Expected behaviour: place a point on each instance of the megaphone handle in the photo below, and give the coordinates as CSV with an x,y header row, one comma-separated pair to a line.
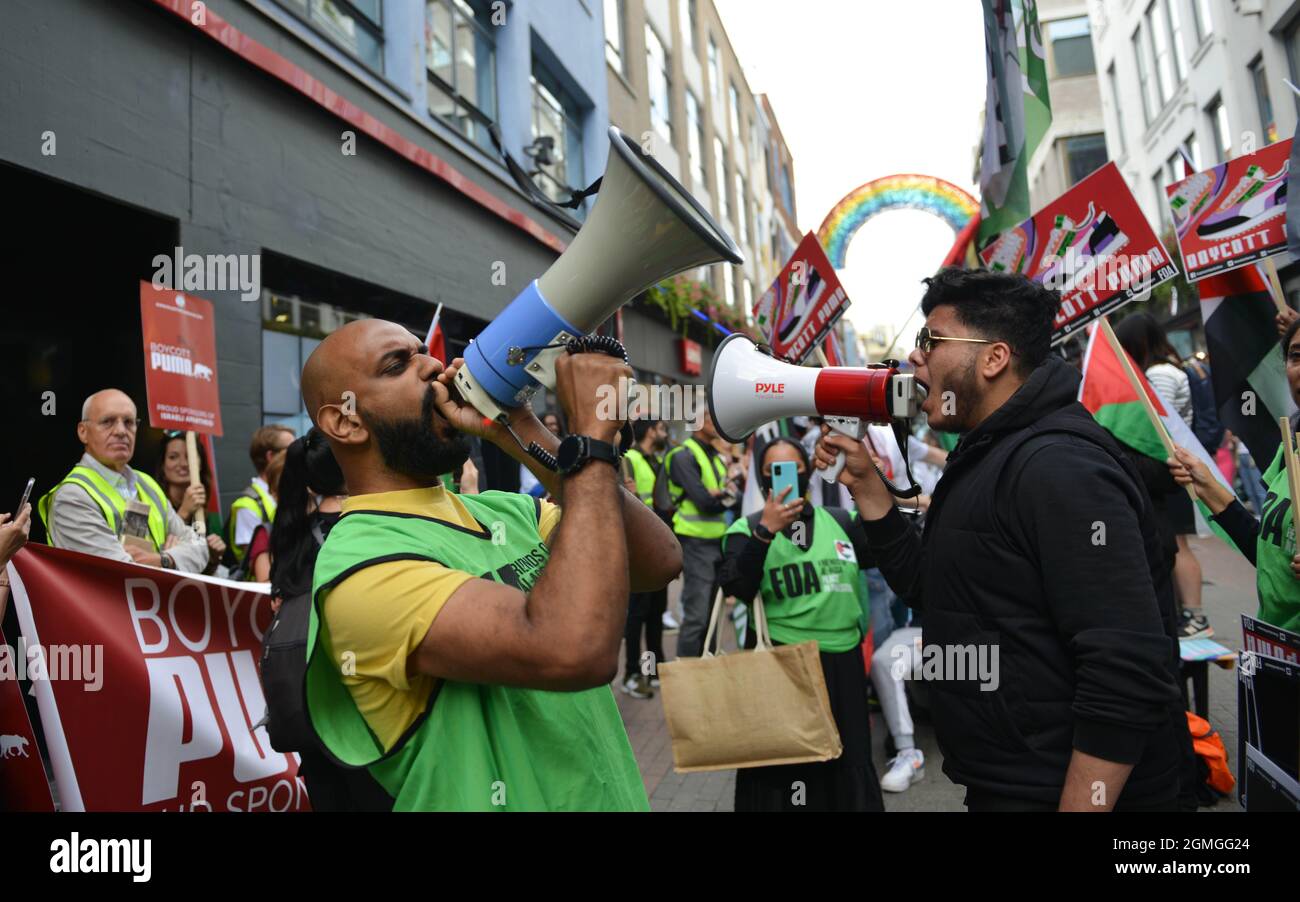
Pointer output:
x,y
855,429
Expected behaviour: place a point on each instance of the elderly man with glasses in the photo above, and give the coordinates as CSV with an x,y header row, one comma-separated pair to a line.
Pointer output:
x,y
106,508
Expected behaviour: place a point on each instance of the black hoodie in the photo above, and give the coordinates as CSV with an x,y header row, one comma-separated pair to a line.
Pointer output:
x,y
1040,542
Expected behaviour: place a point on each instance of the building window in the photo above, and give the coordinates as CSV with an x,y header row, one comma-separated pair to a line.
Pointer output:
x,y
686,21
695,139
1194,151
660,85
1161,54
733,107
1176,37
1293,55
715,70
1266,122
1112,84
1084,154
1161,179
720,177
614,34
461,66
1204,24
557,129
729,284
1071,42
355,25
749,302
1218,116
742,209
1150,103
787,188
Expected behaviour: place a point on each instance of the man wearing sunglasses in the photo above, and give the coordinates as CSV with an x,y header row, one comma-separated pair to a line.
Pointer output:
x,y
96,504
1040,557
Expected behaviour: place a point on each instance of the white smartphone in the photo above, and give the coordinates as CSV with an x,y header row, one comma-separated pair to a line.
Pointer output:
x,y
27,493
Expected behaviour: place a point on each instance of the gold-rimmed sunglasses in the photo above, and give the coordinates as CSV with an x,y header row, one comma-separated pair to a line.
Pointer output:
x,y
925,340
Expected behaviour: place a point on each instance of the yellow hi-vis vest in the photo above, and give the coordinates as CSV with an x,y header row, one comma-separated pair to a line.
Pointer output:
x,y
260,502
644,474
689,520
112,504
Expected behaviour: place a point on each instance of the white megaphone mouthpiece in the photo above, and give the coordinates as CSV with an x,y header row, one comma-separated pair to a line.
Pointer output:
x,y
748,387
644,228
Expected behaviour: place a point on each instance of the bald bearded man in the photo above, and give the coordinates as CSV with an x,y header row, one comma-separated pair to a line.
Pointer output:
x,y
461,647
87,511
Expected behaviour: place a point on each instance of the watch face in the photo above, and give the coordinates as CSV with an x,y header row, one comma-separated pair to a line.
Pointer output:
x,y
571,451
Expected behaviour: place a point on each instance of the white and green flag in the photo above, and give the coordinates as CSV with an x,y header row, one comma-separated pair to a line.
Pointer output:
x,y
1017,114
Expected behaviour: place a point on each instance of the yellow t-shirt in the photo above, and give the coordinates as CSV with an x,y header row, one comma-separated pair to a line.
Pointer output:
x,y
382,613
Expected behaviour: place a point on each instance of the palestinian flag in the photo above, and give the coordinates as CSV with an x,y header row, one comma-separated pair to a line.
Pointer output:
x,y
1107,390
1246,365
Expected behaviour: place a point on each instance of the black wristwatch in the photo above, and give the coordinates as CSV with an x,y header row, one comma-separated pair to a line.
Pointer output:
x,y
576,450
762,533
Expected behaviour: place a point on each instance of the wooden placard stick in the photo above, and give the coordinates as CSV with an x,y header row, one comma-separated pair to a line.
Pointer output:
x,y
1279,299
1292,465
192,453
1138,387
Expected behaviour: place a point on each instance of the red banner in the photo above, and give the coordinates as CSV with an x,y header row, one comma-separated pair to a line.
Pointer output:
x,y
803,304
180,360
23,786
148,689
1232,214
1092,244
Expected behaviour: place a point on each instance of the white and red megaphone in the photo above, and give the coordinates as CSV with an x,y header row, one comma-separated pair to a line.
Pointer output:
x,y
748,387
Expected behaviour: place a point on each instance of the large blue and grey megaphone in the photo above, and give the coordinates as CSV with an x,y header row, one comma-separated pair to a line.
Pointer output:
x,y
644,228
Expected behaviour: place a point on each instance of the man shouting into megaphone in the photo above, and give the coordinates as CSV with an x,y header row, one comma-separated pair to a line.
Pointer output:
x,y
461,647
1048,608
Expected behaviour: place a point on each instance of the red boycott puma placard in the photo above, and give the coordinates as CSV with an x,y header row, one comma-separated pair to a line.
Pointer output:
x,y
1092,244
804,303
180,360
1232,214
148,689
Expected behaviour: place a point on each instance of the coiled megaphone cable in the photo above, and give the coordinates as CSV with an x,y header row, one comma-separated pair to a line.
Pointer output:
x,y
582,344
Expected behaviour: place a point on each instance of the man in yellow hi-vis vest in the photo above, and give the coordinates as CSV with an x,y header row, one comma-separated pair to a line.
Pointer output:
x,y
256,505
91,508
698,483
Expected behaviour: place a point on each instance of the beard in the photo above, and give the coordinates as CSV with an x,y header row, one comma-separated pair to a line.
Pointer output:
x,y
413,448
963,383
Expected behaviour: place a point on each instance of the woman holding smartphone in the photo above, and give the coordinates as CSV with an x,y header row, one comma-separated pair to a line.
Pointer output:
x,y
804,561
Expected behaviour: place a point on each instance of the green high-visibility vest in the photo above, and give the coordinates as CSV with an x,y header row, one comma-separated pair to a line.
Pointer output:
x,y
644,473
813,593
689,520
260,502
476,747
111,502
1279,592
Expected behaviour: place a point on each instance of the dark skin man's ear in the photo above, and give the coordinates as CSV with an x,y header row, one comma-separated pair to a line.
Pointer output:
x,y
995,360
347,429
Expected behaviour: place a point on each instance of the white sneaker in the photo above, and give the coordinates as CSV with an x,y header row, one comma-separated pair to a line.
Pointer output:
x,y
670,622
906,768
637,687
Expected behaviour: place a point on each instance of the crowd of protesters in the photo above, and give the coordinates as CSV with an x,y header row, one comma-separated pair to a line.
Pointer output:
x,y
992,547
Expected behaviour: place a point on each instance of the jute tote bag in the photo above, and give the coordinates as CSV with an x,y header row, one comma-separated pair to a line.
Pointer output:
x,y
748,709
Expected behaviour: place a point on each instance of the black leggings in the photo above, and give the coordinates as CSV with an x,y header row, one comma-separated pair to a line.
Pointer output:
x,y
645,609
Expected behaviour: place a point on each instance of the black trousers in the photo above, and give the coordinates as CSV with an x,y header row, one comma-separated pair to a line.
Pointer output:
x,y
848,783
645,610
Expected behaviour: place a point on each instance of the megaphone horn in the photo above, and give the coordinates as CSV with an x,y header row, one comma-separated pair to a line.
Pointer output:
x,y
748,387
644,228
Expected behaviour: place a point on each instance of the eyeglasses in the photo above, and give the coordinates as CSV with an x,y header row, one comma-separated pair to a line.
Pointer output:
x,y
106,424
925,340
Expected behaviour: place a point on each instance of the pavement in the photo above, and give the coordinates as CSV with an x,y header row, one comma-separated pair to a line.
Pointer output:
x,y
1228,589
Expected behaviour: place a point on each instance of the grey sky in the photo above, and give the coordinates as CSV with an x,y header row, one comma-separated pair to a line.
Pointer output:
x,y
865,89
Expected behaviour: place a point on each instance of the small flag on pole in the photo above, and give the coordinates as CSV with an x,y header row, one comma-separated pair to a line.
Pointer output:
x,y
436,341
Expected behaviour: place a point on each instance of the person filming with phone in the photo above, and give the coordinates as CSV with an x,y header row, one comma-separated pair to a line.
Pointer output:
x,y
804,562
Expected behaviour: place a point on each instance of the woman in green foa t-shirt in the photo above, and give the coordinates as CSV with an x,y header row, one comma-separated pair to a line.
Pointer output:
x,y
805,562
1270,541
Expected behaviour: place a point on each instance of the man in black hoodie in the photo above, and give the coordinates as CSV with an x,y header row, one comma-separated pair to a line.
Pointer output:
x,y
1039,547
